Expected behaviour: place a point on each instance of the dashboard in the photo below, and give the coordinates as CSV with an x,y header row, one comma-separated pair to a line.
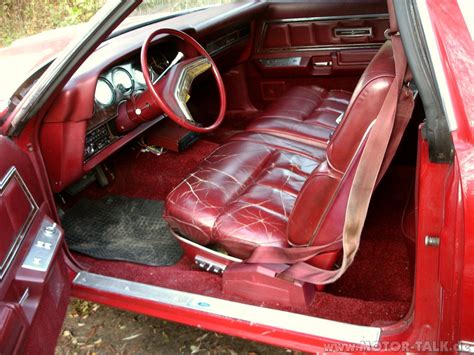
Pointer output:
x,y
79,130
117,85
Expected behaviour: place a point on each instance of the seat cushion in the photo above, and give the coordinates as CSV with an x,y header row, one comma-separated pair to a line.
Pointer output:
x,y
305,113
241,195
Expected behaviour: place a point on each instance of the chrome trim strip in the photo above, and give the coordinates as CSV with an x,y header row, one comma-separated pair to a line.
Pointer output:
x,y
438,70
382,16
24,297
14,248
313,326
207,250
185,80
203,248
323,48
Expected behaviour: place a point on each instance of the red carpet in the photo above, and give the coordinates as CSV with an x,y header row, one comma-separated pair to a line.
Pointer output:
x,y
376,290
383,267
145,175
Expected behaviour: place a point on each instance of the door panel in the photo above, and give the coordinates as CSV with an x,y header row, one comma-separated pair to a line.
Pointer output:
x,y
315,43
32,268
319,33
12,329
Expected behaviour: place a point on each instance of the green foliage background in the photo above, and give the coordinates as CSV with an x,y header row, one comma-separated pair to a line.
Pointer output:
x,y
21,18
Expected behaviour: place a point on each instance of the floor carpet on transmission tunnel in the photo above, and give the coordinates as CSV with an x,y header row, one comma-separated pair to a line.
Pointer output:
x,y
121,228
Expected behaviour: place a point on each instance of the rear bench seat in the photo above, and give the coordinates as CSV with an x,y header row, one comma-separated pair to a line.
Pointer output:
x,y
280,183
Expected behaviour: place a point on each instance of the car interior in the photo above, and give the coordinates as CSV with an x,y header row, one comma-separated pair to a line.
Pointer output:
x,y
263,153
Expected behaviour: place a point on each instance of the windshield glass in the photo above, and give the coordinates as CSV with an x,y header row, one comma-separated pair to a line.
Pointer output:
x,y
152,10
21,19
167,7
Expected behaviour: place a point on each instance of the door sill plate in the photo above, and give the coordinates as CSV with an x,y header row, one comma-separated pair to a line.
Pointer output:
x,y
313,326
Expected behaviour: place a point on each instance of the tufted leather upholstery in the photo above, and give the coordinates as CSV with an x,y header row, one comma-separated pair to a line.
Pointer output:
x,y
242,180
312,210
279,183
305,113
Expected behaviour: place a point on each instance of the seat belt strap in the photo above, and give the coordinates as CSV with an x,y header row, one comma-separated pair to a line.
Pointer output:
x,y
364,183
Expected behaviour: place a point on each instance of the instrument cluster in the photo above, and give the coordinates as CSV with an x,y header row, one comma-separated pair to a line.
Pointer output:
x,y
119,83
115,86
125,80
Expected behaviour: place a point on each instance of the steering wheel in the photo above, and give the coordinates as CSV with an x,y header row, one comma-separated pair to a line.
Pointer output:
x,y
172,91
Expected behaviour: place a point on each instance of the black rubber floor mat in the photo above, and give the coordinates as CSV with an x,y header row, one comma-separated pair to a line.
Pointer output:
x,y
121,228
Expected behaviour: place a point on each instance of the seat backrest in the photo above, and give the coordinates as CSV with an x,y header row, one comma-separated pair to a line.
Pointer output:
x,y
319,212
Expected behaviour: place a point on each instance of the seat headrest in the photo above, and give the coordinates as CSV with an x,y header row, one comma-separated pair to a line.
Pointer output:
x,y
392,17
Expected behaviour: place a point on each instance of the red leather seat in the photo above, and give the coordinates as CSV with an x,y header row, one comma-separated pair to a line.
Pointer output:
x,y
245,178
277,186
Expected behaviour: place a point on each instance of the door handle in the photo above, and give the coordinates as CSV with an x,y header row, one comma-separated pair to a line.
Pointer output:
x,y
322,64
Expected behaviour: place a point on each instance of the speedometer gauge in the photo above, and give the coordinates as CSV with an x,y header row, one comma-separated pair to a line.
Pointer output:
x,y
122,80
104,92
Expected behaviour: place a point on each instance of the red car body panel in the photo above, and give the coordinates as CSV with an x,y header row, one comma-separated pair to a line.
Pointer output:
x,y
456,48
